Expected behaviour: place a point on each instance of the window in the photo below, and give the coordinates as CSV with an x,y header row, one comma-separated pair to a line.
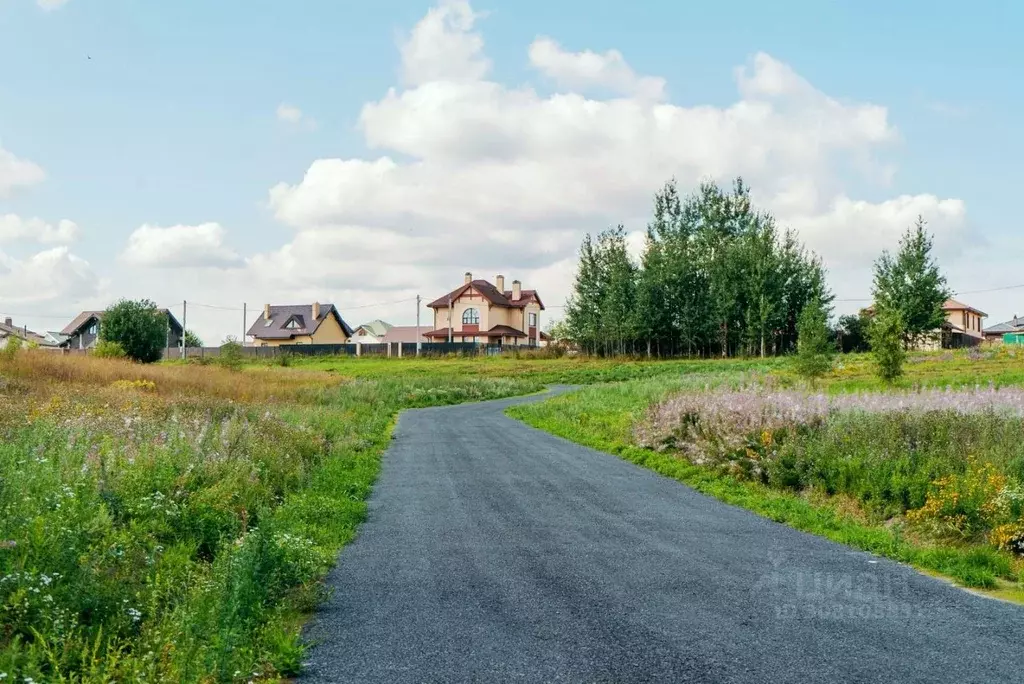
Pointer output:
x,y
533,320
471,317
292,324
92,329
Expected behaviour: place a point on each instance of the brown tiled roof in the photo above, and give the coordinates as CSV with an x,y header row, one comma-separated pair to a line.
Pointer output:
x,y
492,294
404,333
496,331
84,317
954,305
302,313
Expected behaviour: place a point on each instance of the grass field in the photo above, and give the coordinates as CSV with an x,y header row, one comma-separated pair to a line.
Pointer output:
x,y
173,523
931,477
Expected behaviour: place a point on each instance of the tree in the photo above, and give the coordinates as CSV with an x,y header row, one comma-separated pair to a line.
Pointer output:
x,y
852,333
911,284
138,326
815,350
887,343
192,340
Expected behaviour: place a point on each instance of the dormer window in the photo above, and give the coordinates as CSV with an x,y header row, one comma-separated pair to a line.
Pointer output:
x,y
292,324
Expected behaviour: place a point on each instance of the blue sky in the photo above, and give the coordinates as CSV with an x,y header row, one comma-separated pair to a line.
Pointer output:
x,y
165,114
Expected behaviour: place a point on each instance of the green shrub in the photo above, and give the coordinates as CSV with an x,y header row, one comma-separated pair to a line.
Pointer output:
x,y
815,349
231,354
107,349
138,326
11,348
887,346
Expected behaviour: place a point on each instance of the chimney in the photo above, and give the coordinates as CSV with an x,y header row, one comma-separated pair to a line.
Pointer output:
x,y
9,321
316,311
499,282
516,290
469,277
266,312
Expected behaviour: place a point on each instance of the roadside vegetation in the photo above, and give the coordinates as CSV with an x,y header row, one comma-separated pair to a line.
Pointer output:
x,y
929,471
165,523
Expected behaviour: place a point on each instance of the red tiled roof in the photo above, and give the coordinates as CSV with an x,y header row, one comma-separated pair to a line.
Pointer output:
x,y
492,294
496,331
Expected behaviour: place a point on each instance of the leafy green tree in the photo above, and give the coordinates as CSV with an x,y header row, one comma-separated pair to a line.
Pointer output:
x,y
192,340
105,349
887,343
231,354
852,333
815,350
138,326
910,282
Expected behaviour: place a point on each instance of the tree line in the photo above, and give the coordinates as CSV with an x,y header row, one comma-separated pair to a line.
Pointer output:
x,y
716,278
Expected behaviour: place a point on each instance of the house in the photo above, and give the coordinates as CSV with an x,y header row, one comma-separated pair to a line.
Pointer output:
x,y
299,324
84,331
405,334
9,330
998,332
962,327
370,333
484,313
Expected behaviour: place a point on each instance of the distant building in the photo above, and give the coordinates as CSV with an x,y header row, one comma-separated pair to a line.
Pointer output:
x,y
9,330
998,332
370,333
405,334
482,313
84,331
299,324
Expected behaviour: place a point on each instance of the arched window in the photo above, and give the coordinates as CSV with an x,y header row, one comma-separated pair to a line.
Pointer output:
x,y
470,317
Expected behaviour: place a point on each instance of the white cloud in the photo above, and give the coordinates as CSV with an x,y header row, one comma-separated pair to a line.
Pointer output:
x,y
50,5
442,46
55,277
180,247
15,172
292,115
14,228
583,70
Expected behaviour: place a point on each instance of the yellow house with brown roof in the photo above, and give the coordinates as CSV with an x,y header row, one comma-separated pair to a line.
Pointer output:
x,y
484,313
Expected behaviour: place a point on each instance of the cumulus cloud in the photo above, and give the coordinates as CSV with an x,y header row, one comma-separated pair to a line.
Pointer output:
x,y
15,173
587,69
55,276
13,228
292,115
198,246
442,46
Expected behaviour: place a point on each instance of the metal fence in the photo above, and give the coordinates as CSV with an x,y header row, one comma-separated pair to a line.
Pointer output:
x,y
383,350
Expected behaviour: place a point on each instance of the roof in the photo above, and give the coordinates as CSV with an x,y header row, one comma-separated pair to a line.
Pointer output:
x,y
492,294
377,328
274,329
86,316
954,305
1014,325
496,331
22,333
404,333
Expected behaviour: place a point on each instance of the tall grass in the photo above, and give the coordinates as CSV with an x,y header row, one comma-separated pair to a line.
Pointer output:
x,y
172,523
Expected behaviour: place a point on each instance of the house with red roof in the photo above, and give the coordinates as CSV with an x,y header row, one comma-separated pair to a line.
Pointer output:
x,y
486,313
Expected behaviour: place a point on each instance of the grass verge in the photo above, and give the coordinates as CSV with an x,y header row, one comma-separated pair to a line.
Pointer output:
x,y
602,417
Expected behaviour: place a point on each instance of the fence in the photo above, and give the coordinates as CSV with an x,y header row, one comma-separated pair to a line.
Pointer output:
x,y
384,350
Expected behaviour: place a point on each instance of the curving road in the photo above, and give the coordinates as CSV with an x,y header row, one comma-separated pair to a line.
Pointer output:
x,y
498,553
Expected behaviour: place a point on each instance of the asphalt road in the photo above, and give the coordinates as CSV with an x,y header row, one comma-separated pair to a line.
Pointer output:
x,y
498,553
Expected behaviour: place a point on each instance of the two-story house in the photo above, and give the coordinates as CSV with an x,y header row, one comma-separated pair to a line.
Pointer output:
x,y
84,331
485,313
314,323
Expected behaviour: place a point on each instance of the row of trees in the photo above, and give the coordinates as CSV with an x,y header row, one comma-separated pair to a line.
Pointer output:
x,y
716,277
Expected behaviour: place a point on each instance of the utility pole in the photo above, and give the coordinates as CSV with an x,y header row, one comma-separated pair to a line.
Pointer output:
x,y
184,323
417,325
449,319
245,315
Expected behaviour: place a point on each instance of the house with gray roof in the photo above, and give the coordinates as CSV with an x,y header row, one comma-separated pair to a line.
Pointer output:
x,y
995,332
84,331
9,330
370,333
292,324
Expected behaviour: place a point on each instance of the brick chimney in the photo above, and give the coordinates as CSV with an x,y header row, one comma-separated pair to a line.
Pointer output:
x,y
9,321
266,312
469,277
517,290
499,282
316,311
